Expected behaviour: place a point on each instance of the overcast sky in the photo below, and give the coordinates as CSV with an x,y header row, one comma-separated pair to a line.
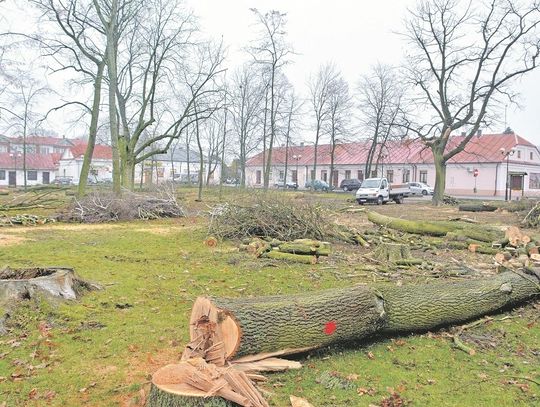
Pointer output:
x,y
353,34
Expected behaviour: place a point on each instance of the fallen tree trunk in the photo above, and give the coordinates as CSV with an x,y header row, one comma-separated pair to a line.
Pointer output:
x,y
436,228
252,329
477,208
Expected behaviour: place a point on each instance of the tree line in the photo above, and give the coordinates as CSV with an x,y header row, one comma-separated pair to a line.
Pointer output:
x,y
156,84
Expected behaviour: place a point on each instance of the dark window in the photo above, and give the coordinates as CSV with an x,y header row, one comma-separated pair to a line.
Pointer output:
x,y
348,174
258,175
390,175
2,175
373,174
423,177
312,175
324,175
295,176
31,175
531,155
360,175
406,176
281,175
519,154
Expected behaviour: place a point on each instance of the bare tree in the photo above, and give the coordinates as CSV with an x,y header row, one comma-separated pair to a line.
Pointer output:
x,y
23,94
77,45
247,95
379,102
319,94
464,59
337,125
270,50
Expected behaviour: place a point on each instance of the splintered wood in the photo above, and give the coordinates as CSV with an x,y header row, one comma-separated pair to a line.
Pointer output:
x,y
205,371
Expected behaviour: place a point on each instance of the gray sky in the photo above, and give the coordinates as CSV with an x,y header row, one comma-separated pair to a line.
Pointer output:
x,y
354,34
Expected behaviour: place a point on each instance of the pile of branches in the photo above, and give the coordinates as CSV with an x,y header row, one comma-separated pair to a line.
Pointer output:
x,y
104,206
272,216
532,218
24,220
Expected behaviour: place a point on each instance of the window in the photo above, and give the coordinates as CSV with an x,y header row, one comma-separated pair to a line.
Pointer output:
x,y
312,174
374,174
423,177
295,176
281,175
32,175
406,176
390,175
258,176
348,174
2,175
531,156
324,175
360,175
384,185
519,154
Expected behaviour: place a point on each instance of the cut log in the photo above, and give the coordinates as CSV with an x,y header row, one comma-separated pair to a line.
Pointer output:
x,y
477,208
296,258
288,324
436,228
297,247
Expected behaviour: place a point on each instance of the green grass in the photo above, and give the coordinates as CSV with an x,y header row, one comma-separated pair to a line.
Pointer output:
x,y
100,355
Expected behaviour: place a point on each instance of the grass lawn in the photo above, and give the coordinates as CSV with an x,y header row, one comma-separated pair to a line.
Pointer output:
x,y
101,350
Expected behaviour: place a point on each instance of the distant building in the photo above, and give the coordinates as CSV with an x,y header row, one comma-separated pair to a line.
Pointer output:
x,y
411,161
40,169
70,163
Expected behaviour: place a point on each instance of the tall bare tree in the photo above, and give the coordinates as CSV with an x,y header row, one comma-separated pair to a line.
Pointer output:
x,y
464,58
379,101
319,95
337,125
247,95
272,51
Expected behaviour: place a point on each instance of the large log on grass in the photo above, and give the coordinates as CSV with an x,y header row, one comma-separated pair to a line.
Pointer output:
x,y
437,228
291,323
248,330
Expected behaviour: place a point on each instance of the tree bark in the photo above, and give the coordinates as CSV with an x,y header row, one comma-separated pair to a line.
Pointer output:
x,y
440,177
293,323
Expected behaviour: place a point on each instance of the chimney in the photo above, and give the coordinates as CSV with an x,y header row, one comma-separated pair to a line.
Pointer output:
x,y
302,144
479,132
463,133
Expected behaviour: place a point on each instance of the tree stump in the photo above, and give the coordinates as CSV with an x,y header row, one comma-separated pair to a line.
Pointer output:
x,y
53,283
392,252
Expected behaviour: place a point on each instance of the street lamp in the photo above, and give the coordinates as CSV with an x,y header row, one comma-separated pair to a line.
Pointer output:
x,y
506,155
297,158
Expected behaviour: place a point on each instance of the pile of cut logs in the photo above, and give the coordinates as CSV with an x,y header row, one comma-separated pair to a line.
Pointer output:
x,y
24,220
305,251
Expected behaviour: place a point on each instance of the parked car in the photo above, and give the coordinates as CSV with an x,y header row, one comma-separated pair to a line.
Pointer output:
x,y
288,185
350,184
419,188
318,185
63,181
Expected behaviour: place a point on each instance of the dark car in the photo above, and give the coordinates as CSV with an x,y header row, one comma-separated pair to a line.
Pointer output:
x,y
350,184
63,181
288,185
318,185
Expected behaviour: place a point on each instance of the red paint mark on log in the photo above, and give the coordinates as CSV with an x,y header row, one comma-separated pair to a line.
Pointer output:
x,y
330,327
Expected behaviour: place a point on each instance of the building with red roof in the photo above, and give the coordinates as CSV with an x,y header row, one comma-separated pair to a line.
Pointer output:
x,y
71,161
411,161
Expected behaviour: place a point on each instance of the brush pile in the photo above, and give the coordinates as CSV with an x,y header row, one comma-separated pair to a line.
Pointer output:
x,y
532,218
102,206
272,216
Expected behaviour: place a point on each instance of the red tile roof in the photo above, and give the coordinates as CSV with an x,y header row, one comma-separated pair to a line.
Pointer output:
x,y
42,140
483,148
101,152
33,162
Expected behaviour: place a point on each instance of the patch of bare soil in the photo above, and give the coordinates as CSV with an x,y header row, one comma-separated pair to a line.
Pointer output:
x,y
10,240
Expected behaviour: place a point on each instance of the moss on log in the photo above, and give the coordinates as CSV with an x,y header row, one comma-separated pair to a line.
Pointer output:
x,y
302,248
296,258
392,252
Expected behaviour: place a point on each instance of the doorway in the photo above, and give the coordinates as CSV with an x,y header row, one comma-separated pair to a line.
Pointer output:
x,y
12,176
46,178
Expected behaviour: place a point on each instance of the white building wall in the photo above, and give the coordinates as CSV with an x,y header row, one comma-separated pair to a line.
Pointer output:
x,y
20,177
